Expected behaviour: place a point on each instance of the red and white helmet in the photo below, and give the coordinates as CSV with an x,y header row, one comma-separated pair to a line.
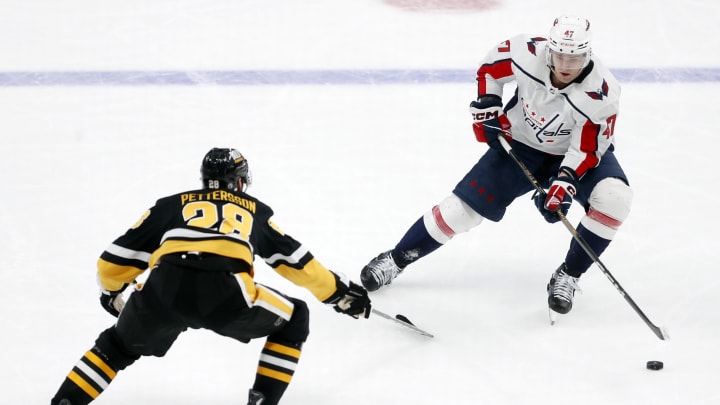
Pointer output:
x,y
570,36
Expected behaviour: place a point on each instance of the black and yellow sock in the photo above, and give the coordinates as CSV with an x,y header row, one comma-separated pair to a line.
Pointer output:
x,y
87,380
275,370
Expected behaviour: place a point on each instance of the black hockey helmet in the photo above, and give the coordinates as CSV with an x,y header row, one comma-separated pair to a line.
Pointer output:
x,y
222,167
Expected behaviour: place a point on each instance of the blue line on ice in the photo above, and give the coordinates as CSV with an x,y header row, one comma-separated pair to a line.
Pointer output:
x,y
310,77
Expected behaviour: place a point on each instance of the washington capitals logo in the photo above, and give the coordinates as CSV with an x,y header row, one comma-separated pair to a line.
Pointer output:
x,y
532,43
602,92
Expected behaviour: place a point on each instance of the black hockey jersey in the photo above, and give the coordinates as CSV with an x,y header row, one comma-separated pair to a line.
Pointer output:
x,y
221,222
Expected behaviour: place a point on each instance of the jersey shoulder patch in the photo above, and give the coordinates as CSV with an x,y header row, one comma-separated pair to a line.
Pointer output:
x,y
600,93
533,43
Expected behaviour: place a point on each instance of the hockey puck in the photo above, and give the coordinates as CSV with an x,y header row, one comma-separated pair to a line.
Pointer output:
x,y
654,365
404,319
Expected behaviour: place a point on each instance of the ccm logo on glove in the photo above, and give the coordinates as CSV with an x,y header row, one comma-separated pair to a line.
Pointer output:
x,y
489,120
486,115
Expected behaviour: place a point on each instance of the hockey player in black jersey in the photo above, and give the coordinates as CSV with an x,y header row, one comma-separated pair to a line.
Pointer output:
x,y
199,246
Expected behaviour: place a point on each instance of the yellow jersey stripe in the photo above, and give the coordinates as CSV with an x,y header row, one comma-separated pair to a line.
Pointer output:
x,y
222,247
314,276
112,277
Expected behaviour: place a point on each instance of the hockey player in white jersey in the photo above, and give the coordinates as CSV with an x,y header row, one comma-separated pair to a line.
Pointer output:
x,y
560,122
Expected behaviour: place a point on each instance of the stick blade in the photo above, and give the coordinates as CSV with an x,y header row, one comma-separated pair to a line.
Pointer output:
x,y
404,319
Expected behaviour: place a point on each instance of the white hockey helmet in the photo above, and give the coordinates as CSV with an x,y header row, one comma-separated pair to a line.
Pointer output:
x,y
569,36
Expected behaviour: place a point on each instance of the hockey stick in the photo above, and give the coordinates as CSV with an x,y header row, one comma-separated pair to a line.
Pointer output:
x,y
401,320
661,333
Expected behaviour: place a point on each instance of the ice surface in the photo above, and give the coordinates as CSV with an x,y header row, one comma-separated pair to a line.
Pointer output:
x,y
348,166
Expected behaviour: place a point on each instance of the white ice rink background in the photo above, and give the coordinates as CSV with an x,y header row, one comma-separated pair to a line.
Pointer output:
x,y
353,115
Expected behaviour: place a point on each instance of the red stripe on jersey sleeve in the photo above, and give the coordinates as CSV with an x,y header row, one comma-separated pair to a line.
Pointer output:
x,y
589,145
496,70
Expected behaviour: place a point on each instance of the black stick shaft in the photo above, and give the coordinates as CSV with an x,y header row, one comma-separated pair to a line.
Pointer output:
x,y
659,332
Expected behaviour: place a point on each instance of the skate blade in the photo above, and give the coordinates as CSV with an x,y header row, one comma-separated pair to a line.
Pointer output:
x,y
553,316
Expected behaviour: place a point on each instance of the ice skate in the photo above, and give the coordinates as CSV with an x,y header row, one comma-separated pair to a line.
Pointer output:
x,y
255,398
379,272
561,290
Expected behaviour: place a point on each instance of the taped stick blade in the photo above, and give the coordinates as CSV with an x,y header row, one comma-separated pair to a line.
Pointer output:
x,y
402,322
404,319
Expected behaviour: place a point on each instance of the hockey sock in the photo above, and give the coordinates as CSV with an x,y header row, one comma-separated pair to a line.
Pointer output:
x,y
275,370
416,243
577,261
88,379
95,370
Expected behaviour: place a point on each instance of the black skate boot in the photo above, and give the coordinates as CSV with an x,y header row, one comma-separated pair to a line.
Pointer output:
x,y
255,398
561,290
379,272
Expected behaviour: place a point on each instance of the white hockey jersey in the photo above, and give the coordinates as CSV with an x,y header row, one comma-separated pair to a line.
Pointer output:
x,y
576,122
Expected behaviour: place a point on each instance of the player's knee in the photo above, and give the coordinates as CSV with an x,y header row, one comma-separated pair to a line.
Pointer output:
x,y
450,217
111,346
609,207
297,329
612,197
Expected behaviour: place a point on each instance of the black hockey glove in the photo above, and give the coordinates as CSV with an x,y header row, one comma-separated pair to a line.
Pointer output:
x,y
355,302
559,197
488,120
350,299
113,301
